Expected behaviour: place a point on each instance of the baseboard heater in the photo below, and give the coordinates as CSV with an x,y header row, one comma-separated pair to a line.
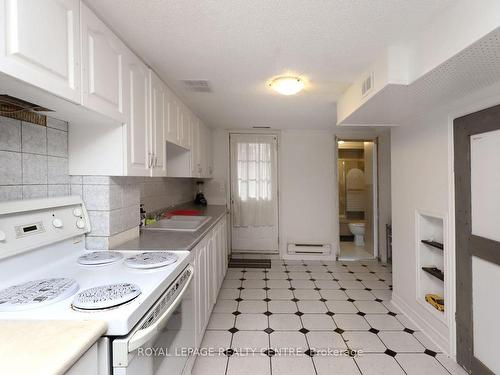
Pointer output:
x,y
309,248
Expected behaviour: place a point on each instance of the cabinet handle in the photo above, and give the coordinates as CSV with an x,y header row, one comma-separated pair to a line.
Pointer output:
x,y
150,160
156,160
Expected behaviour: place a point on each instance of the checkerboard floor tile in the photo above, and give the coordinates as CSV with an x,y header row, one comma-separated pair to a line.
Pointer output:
x,y
315,318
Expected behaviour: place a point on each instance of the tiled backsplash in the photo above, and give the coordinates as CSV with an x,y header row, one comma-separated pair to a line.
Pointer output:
x,y
34,164
33,159
113,202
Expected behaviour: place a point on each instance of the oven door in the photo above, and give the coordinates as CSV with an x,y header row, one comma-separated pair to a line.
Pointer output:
x,y
162,340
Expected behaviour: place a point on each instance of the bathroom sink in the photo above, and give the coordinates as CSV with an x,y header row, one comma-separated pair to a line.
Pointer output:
x,y
179,223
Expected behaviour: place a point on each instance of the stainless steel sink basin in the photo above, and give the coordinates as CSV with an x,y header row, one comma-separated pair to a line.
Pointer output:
x,y
179,223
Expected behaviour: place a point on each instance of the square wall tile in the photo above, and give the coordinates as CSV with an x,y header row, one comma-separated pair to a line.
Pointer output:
x,y
57,143
34,169
34,191
33,138
58,190
10,168
97,243
57,124
10,130
10,193
100,223
57,169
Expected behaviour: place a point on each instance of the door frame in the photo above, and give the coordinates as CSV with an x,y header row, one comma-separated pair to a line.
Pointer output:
x,y
277,134
341,137
464,127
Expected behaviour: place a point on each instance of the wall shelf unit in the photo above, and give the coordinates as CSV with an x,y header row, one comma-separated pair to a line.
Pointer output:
x,y
430,249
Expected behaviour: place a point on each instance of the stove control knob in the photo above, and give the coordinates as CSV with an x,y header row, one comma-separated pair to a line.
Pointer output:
x,y
57,223
80,223
77,212
3,237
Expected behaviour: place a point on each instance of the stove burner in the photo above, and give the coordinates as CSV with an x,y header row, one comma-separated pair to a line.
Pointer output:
x,y
152,259
36,293
105,296
100,257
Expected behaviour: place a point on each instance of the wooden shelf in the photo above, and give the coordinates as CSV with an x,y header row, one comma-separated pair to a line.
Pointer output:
x,y
436,272
435,244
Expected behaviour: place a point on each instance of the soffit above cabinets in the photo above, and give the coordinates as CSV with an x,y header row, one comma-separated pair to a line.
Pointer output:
x,y
445,62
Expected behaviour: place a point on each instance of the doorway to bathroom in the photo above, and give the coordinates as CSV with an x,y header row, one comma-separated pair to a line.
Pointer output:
x,y
357,194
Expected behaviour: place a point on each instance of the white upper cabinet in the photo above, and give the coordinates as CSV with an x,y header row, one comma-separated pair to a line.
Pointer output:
x,y
185,127
208,154
159,115
196,169
137,127
40,44
172,124
102,67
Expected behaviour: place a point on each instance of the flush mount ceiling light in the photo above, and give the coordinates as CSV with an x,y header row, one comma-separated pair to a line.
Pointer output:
x,y
287,85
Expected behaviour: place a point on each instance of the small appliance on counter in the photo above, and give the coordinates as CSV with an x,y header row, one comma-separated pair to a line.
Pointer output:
x,y
200,197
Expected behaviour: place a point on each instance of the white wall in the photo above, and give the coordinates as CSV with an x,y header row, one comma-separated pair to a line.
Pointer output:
x,y
308,181
422,178
308,190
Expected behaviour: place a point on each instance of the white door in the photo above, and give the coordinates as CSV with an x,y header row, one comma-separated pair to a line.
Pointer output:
x,y
137,102
196,148
254,192
102,67
40,44
158,116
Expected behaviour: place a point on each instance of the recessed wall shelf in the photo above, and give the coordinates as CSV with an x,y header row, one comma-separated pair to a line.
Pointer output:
x,y
435,244
434,271
430,248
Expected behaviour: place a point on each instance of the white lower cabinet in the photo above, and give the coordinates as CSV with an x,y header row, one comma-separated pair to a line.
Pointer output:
x,y
94,361
210,262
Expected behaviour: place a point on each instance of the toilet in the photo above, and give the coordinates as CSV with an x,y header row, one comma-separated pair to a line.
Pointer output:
x,y
358,229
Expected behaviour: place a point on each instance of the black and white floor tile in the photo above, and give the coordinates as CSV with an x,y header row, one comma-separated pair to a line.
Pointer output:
x,y
315,318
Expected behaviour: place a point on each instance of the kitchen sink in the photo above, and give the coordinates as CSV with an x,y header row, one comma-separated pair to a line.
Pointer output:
x,y
179,223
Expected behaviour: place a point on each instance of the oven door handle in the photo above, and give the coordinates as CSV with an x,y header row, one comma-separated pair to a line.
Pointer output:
x,y
142,336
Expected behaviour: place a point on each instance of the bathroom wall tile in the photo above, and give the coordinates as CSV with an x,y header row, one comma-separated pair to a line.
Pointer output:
x,y
11,193
58,190
96,197
57,143
10,131
57,124
76,189
10,168
97,243
34,169
57,170
34,138
100,223
34,191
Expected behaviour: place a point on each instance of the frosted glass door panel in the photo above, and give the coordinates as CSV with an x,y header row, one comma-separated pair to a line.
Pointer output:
x,y
485,306
485,184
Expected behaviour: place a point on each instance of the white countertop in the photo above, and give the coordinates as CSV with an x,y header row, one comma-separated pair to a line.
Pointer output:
x,y
45,347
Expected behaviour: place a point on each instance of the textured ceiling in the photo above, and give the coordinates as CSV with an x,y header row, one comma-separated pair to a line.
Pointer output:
x,y
237,45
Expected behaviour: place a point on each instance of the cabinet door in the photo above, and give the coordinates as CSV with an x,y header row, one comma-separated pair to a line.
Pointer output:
x,y
185,127
202,309
209,153
195,148
137,108
40,44
102,67
171,122
158,116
